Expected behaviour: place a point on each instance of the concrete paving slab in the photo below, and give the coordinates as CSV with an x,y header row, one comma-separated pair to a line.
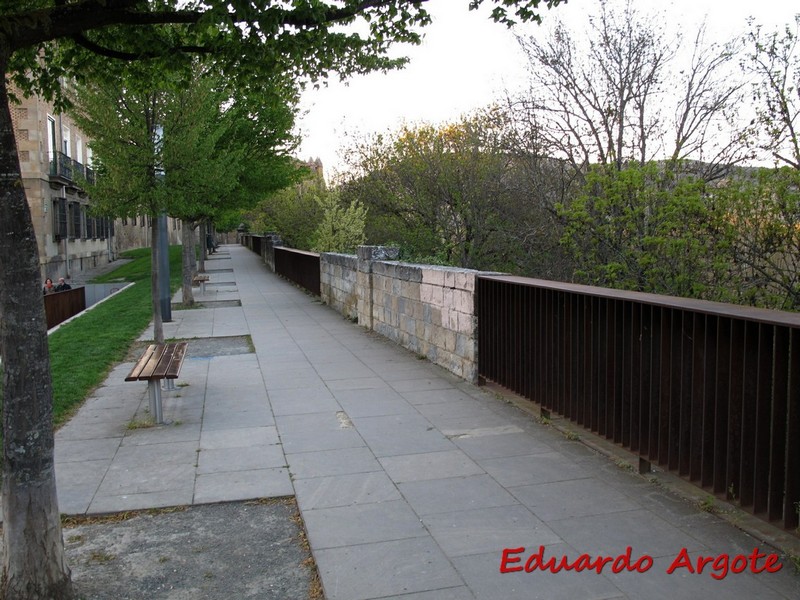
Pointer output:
x,y
570,499
482,574
485,530
125,502
242,485
514,443
455,493
240,437
302,401
611,534
373,403
533,468
367,571
396,435
220,460
657,584
341,461
345,490
82,451
357,524
429,465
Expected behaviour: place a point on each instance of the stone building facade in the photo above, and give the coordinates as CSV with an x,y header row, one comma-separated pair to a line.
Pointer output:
x,y
55,160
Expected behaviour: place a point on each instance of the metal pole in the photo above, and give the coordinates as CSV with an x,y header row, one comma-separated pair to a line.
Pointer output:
x,y
163,269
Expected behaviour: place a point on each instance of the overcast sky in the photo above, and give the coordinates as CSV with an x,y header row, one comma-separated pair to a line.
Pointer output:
x,y
466,61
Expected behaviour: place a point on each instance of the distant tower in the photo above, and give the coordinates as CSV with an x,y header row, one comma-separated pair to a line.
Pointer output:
x,y
315,166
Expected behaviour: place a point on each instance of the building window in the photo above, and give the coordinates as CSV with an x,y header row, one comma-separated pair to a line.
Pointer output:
x,y
51,143
74,221
59,218
65,139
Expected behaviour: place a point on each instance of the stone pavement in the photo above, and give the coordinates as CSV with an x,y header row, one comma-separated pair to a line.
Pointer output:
x,y
411,483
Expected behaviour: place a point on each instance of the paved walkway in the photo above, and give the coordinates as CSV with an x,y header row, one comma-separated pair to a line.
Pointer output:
x,y
410,482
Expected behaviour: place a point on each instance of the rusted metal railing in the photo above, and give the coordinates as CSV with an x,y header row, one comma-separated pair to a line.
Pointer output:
x,y
60,306
298,266
707,390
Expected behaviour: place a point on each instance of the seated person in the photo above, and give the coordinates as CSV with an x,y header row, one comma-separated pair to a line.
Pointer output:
x,y
62,285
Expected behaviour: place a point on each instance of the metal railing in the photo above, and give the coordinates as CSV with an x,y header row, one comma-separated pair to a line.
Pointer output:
x,y
303,268
707,390
67,168
60,306
300,267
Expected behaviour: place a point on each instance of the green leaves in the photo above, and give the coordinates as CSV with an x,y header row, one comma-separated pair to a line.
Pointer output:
x,y
342,227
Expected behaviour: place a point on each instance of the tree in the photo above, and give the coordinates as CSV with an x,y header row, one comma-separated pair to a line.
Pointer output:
x,y
294,212
649,229
774,61
44,41
342,228
763,224
618,95
443,191
222,151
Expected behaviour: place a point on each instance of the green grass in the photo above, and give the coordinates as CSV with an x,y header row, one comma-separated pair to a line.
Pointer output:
x,y
83,351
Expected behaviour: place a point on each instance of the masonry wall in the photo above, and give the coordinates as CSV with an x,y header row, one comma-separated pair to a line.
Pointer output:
x,y
338,283
426,309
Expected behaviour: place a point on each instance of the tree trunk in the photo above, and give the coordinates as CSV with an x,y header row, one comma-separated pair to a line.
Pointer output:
x,y
193,255
158,324
187,240
34,563
201,232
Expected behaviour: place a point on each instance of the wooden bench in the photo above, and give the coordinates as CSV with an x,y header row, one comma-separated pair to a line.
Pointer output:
x,y
200,279
159,361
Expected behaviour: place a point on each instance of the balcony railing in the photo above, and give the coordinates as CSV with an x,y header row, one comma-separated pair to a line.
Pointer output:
x,y
64,167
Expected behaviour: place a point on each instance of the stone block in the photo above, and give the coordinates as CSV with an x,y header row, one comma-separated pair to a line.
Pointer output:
x,y
433,276
450,340
438,336
463,301
437,297
415,309
419,329
436,317
466,323
409,273
466,281
377,253
463,345
450,319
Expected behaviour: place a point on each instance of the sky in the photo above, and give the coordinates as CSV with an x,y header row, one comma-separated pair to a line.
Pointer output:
x,y
466,61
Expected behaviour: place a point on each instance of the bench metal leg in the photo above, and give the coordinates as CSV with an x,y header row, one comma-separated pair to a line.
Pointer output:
x,y
154,387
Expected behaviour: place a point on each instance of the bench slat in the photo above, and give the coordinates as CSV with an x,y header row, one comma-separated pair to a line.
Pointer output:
x,y
135,373
160,369
177,360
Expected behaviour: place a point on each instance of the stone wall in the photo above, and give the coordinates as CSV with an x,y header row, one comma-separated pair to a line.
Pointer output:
x,y
426,309
338,278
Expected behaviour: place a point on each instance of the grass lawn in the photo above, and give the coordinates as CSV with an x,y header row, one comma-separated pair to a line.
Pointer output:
x,y
83,351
